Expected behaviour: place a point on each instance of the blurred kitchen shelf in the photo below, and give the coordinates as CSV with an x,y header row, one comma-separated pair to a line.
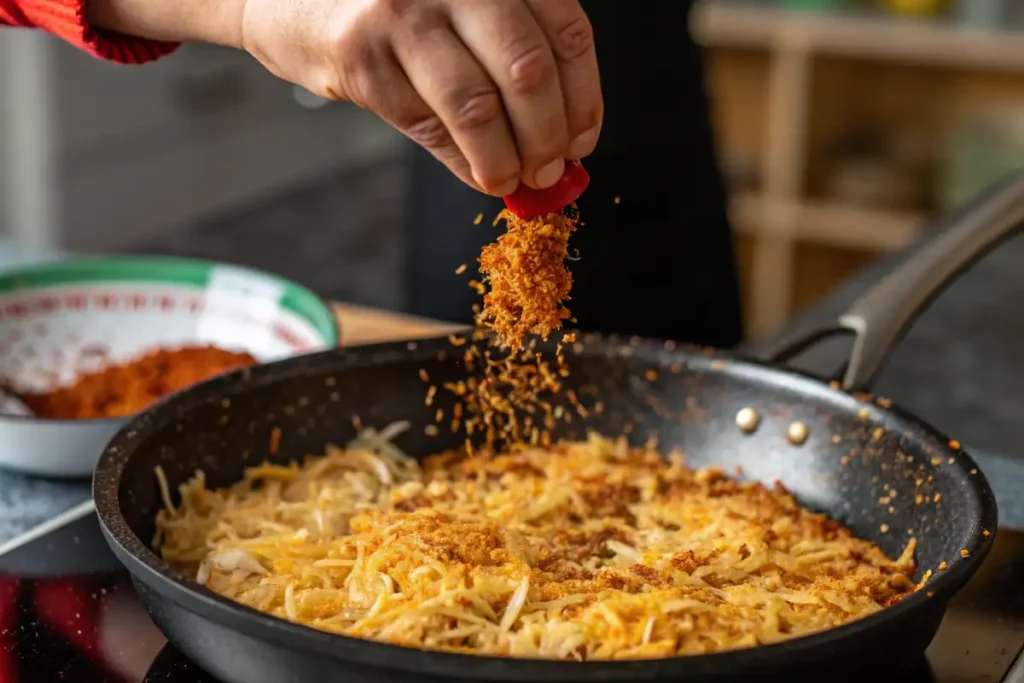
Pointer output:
x,y
850,227
941,42
768,58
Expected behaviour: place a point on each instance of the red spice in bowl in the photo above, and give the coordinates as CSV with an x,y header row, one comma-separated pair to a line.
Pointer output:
x,y
127,388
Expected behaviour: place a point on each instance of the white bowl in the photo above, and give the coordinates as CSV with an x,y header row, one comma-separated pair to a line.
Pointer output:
x,y
59,320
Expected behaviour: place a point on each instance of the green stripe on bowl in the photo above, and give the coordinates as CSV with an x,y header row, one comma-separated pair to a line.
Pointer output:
x,y
184,272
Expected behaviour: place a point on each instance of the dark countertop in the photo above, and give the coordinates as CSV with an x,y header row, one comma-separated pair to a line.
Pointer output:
x,y
26,502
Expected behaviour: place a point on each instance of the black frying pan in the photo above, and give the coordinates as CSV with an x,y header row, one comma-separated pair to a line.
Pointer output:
x,y
863,463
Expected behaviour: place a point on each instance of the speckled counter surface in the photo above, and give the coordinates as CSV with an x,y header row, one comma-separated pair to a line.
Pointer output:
x,y
26,502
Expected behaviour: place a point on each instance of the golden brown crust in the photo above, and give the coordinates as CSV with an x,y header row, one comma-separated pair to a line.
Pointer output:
x,y
586,550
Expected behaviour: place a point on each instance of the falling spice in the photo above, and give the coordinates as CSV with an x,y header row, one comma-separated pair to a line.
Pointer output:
x,y
512,395
527,278
129,387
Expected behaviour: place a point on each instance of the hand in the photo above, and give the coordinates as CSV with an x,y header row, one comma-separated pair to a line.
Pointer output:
x,y
498,90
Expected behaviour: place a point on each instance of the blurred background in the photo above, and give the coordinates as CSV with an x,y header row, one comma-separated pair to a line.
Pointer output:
x,y
842,125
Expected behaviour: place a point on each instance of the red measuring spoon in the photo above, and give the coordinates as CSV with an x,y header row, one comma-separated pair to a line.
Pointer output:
x,y
528,203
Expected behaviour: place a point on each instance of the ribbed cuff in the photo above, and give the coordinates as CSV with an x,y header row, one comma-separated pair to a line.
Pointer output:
x,y
66,20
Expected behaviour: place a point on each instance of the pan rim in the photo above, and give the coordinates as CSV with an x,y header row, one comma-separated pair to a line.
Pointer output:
x,y
148,568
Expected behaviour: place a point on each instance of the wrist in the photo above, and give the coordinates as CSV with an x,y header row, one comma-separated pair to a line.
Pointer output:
x,y
217,22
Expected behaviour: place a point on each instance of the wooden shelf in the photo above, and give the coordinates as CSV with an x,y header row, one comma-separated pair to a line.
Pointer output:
x,y
858,227
732,23
772,55
839,225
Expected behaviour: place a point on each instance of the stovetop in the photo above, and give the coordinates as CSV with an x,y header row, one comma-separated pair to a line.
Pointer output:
x,y
68,613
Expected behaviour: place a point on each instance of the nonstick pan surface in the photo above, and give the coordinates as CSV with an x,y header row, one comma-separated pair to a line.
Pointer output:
x,y
883,472
860,479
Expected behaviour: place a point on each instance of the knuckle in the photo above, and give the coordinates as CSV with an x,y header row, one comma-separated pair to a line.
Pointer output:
x,y
476,108
584,119
330,90
430,132
531,69
345,43
395,8
356,62
407,19
575,39
352,90
358,86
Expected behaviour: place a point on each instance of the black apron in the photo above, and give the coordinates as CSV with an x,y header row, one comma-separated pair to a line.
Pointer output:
x,y
659,263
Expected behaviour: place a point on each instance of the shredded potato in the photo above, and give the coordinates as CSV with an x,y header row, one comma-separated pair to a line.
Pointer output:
x,y
582,551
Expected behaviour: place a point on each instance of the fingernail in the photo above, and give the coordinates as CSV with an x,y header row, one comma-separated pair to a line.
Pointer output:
x,y
584,143
549,175
508,188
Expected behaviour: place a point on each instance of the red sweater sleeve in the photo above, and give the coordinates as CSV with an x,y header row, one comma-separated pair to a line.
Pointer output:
x,y
66,20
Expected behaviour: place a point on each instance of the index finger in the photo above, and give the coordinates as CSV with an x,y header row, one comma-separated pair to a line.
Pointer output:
x,y
572,41
506,39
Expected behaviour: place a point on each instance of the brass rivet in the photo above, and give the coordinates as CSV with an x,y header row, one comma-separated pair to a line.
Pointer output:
x,y
797,433
747,419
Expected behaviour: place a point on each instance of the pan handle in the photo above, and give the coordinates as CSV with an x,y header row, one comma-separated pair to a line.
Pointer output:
x,y
880,317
